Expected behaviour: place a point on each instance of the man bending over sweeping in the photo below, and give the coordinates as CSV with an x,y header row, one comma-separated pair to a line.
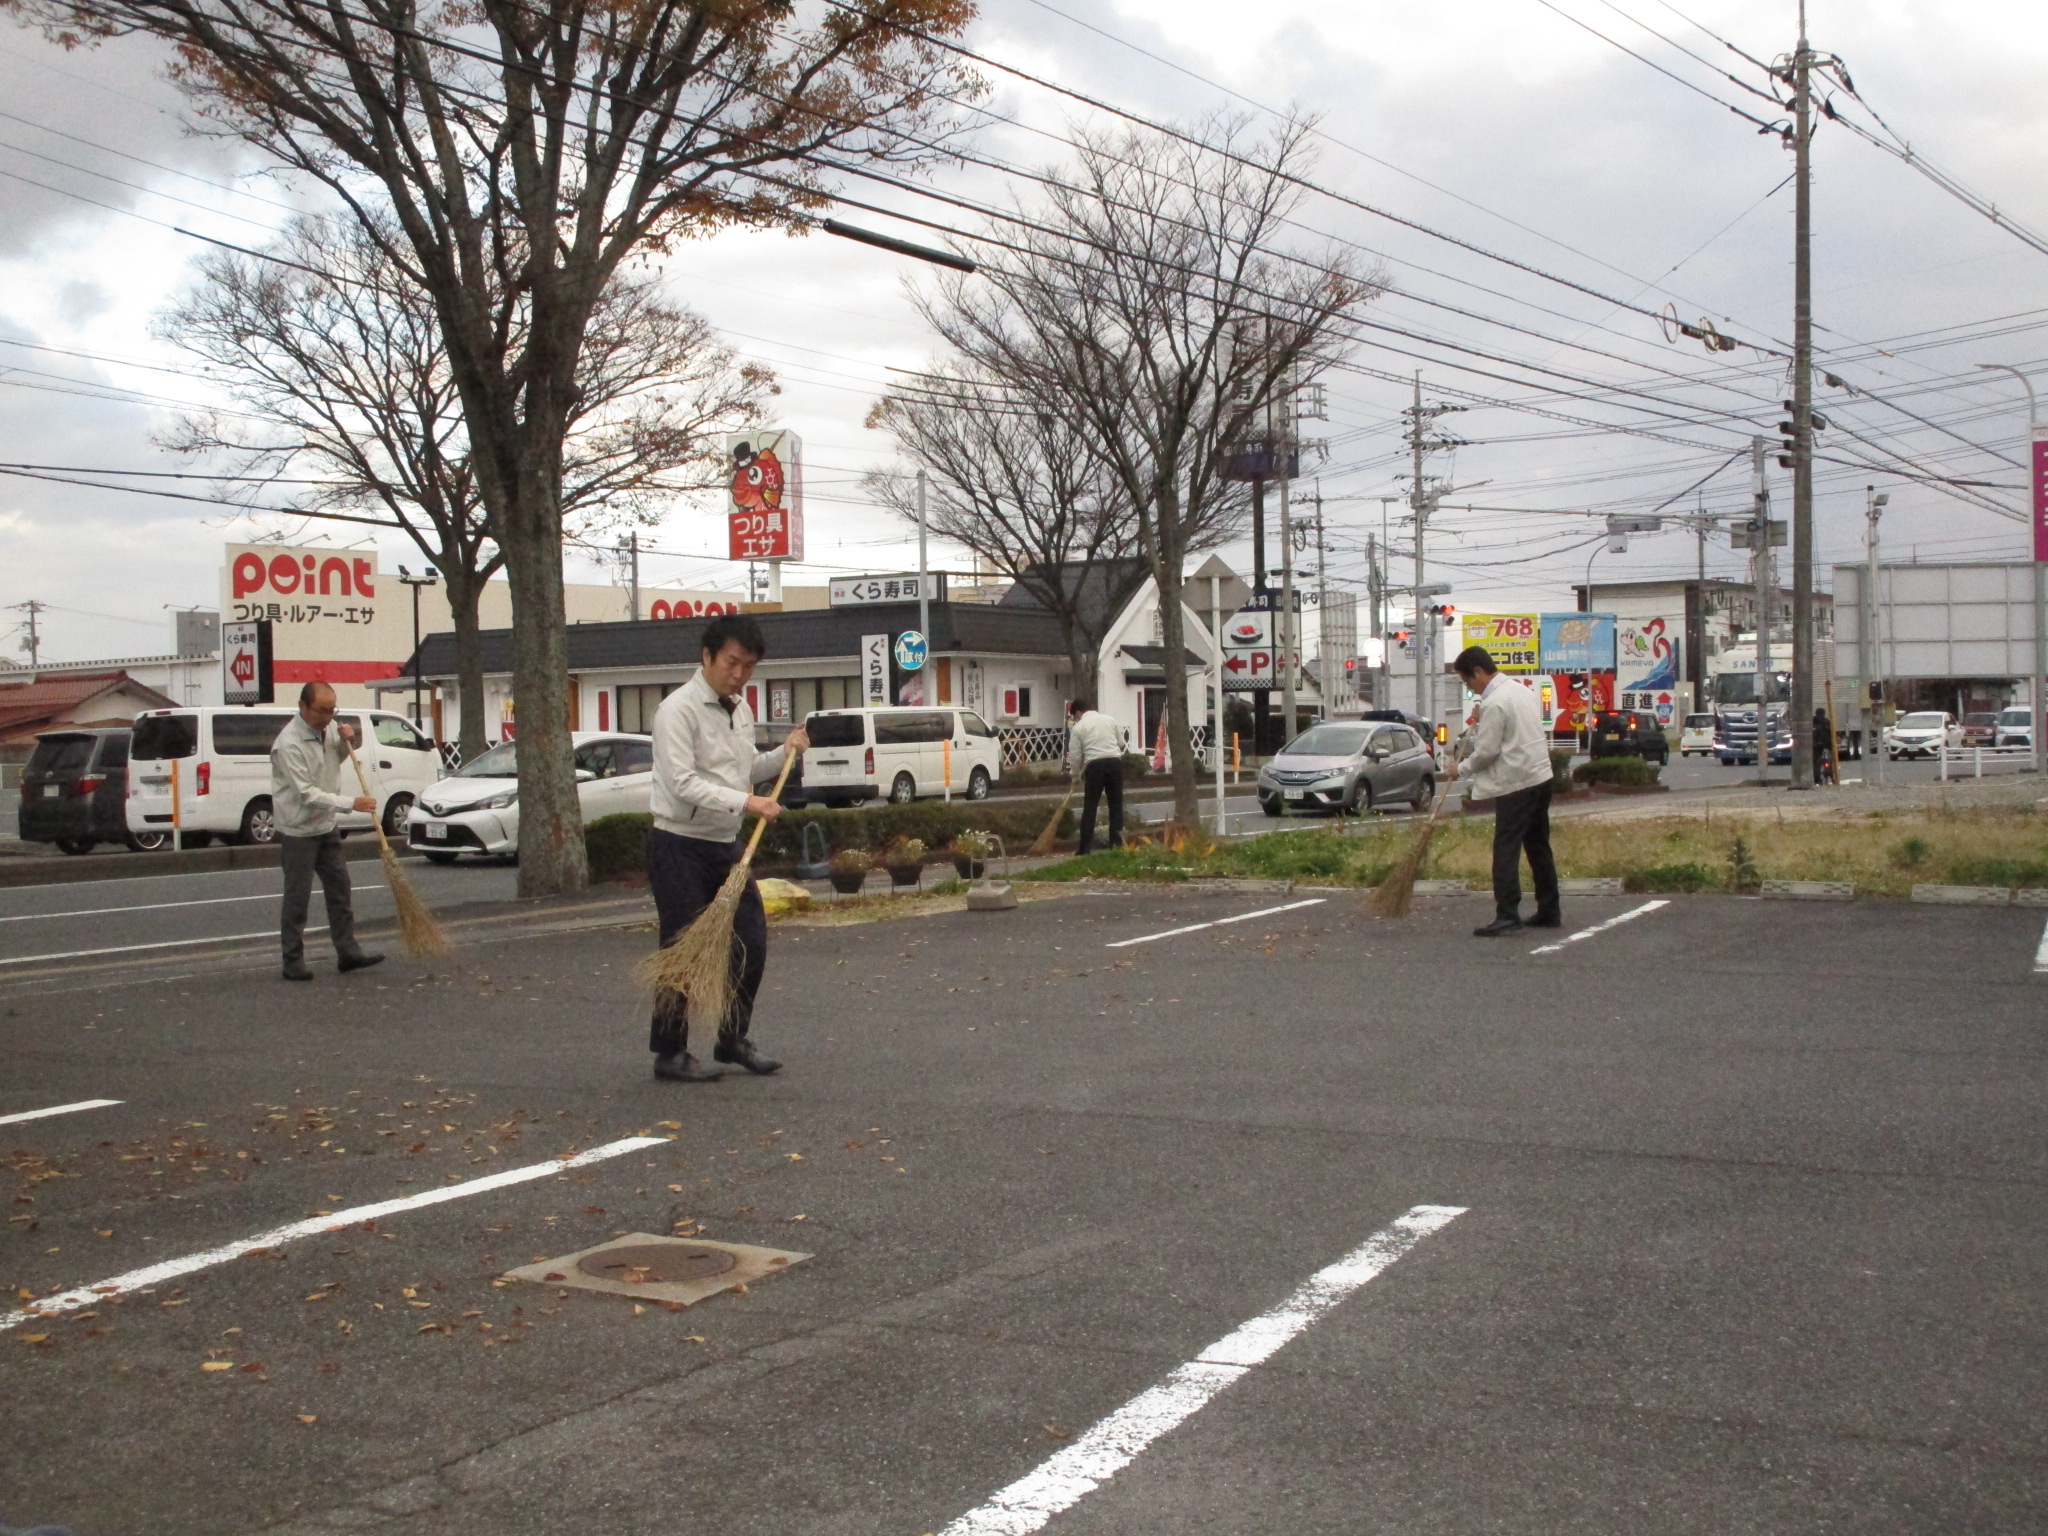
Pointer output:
x,y
1510,765
705,769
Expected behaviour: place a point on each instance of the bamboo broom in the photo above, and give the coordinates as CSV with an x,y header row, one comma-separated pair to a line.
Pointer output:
x,y
1391,897
698,963
418,929
1043,845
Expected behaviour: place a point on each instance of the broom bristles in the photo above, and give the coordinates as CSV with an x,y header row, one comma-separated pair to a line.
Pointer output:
x,y
1392,896
697,965
1043,846
418,929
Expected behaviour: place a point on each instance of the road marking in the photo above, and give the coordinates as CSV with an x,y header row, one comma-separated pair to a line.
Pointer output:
x,y
1111,1444
2041,954
130,949
160,906
1242,917
334,1221
1586,933
57,1109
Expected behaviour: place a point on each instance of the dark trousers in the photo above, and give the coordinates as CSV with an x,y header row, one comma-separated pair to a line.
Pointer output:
x,y
686,873
1521,821
304,857
1103,776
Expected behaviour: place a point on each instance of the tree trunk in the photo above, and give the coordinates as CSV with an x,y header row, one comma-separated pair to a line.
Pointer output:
x,y
552,861
465,595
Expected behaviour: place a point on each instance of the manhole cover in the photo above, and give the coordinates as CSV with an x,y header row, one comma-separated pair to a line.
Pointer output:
x,y
657,1263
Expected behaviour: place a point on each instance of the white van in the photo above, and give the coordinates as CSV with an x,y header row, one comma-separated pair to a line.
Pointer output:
x,y
901,753
223,770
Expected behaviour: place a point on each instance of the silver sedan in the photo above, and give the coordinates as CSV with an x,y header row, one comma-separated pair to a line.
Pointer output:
x,y
1349,766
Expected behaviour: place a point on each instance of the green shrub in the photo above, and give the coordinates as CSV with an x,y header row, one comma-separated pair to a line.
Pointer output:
x,y
935,823
1136,765
1998,871
1683,878
1742,871
1911,853
1561,768
1615,770
617,846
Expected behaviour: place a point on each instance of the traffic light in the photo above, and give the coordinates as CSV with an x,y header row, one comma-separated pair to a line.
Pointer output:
x,y
1444,611
1443,733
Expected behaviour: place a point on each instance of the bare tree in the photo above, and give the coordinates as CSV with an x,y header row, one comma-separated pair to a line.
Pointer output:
x,y
1010,479
1154,296
533,148
337,367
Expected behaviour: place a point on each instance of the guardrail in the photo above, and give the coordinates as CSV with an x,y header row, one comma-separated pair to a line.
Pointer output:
x,y
1976,757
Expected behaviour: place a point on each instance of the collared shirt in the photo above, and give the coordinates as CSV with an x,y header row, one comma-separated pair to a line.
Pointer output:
x,y
705,764
1509,748
1093,737
305,768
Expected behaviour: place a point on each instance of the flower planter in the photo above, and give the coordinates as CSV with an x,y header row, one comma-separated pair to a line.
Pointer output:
x,y
847,882
901,875
970,869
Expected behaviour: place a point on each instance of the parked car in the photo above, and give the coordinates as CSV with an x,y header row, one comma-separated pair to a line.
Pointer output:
x,y
1924,733
1629,733
1421,727
1696,735
74,792
1980,729
899,751
767,738
476,808
1349,766
220,760
2015,727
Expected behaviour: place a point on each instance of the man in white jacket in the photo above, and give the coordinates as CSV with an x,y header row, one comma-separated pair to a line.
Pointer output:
x,y
1509,764
705,770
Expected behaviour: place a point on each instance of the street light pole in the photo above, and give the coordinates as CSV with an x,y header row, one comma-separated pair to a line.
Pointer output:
x,y
1871,663
924,605
427,579
1801,704
2037,479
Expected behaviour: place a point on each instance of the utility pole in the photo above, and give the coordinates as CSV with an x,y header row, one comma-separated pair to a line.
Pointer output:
x,y
34,642
1871,663
1372,596
1422,500
1764,596
1328,680
630,545
1802,414
1290,637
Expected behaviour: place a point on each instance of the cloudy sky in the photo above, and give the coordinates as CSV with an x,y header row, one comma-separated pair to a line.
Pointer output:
x,y
1505,125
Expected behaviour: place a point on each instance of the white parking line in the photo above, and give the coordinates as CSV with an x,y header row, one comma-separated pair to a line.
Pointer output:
x,y
2041,954
1242,917
334,1221
1587,933
158,906
56,1109
130,949
1111,1444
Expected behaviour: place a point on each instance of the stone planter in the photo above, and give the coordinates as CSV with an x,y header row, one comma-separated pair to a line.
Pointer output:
x,y
847,882
901,875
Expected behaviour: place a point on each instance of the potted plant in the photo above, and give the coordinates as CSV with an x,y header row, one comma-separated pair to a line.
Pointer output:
x,y
848,870
904,859
970,853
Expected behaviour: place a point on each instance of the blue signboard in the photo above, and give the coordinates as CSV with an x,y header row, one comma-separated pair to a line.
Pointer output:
x,y
1578,642
911,649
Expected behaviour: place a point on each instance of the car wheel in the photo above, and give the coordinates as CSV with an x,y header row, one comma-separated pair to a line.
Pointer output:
x,y
1425,794
395,813
439,858
147,842
259,823
75,844
903,791
1273,807
977,784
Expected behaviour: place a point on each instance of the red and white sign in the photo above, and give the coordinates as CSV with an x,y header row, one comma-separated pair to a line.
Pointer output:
x,y
766,519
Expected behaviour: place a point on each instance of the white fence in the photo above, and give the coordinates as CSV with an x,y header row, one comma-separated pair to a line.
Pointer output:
x,y
1048,744
1974,759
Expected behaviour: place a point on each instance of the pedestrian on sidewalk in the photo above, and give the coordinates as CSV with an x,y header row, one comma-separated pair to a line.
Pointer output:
x,y
705,770
305,769
1823,749
1095,748
1509,764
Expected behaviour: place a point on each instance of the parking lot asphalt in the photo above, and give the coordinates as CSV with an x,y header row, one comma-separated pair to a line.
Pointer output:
x,y
1750,1236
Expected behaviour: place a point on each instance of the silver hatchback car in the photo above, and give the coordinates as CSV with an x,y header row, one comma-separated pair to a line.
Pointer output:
x,y
1349,766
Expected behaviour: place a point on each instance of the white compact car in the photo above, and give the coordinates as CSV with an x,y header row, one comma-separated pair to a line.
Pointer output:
x,y
476,808
1924,733
2015,727
1696,735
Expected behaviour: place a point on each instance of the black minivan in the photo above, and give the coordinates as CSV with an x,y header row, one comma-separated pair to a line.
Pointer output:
x,y
74,792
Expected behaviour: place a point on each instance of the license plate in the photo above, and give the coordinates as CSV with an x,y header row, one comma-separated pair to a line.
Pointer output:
x,y
52,791
436,833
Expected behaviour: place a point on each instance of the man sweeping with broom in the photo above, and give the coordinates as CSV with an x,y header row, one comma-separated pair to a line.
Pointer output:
x,y
305,769
1509,764
705,769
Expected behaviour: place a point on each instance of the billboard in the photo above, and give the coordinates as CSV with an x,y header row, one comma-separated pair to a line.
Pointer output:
x,y
1513,640
1646,655
1578,642
766,518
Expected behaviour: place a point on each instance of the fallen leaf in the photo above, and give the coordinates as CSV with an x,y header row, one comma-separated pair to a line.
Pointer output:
x,y
217,1365
35,1338
638,1310
309,1418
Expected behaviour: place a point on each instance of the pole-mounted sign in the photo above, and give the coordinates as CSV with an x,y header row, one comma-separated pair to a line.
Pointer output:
x,y
766,518
911,650
246,670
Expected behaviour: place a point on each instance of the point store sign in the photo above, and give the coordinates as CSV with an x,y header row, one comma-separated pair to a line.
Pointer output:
x,y
303,574
324,609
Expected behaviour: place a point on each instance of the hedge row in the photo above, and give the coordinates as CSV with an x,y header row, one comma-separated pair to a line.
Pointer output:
x,y
617,845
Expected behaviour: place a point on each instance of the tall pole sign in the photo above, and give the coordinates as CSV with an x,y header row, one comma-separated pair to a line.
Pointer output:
x,y
766,518
245,662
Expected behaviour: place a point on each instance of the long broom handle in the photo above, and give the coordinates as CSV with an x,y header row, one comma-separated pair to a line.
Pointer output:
x,y
376,821
761,822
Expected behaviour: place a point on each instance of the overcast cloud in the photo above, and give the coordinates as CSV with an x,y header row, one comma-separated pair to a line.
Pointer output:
x,y
1541,142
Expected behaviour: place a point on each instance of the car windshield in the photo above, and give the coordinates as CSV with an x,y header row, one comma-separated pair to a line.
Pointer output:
x,y
2016,717
60,754
1986,719
159,736
1922,722
1327,741
501,762
1699,722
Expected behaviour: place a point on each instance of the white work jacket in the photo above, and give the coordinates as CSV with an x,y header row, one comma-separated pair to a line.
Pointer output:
x,y
705,764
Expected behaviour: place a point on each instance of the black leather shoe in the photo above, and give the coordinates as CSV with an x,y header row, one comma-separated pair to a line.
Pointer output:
x,y
741,1053
358,963
296,971
1545,920
1498,928
684,1069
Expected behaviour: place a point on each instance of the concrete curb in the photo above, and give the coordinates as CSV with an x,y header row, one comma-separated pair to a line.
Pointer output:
x,y
1981,895
1595,885
1444,887
1808,890
67,869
